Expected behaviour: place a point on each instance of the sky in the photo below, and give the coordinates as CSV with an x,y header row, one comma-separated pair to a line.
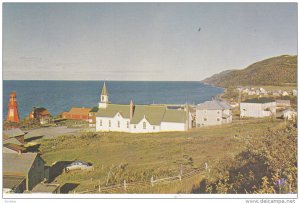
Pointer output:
x,y
142,41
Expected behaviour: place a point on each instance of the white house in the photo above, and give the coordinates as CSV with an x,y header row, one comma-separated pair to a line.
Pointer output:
x,y
289,114
138,118
213,112
258,107
285,93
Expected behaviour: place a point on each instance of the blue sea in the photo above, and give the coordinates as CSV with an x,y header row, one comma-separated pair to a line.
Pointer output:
x,y
59,96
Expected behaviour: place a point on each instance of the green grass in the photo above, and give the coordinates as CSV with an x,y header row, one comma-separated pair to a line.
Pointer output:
x,y
137,157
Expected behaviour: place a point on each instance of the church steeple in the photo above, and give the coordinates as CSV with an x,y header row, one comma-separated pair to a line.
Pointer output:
x,y
104,97
104,91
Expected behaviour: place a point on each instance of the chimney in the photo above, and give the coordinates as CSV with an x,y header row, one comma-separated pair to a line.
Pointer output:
x,y
131,109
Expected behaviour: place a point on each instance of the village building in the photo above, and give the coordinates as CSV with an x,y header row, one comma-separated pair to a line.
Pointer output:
x,y
294,92
41,114
12,112
213,112
22,172
284,93
276,93
139,118
263,91
258,107
289,114
43,188
282,104
191,116
92,117
13,134
77,114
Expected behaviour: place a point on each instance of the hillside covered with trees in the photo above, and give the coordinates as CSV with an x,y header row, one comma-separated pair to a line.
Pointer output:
x,y
273,71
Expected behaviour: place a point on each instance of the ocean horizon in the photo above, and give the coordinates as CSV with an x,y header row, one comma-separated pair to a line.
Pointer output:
x,y
60,95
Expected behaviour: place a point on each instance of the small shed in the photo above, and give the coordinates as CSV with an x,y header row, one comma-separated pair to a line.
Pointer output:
x,y
28,165
14,133
14,184
45,188
289,114
258,107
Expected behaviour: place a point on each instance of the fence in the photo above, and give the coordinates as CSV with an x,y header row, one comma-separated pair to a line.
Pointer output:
x,y
124,187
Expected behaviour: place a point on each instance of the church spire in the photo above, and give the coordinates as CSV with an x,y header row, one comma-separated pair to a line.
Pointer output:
x,y
104,91
104,97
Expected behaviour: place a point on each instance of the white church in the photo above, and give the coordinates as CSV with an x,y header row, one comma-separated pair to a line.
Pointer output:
x,y
138,118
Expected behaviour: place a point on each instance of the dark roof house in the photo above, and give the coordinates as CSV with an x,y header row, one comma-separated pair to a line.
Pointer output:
x,y
259,100
29,166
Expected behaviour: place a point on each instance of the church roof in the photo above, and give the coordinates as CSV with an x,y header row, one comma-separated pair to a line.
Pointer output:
x,y
112,109
154,114
175,116
104,90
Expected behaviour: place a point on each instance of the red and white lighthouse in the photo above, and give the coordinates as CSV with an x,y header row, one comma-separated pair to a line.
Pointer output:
x,y
12,113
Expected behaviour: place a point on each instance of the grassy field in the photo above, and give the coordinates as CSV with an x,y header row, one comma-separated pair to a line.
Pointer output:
x,y
137,157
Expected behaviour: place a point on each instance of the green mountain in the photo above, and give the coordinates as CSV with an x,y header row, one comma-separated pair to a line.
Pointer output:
x,y
273,71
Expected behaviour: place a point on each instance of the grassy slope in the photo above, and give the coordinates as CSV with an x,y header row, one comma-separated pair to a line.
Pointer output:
x,y
274,71
145,155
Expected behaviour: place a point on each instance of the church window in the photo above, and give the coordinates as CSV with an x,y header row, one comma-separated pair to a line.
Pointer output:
x,y
218,119
153,127
118,124
134,126
100,122
109,123
205,119
144,125
127,124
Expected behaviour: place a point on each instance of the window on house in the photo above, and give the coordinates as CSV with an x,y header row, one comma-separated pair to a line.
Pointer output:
x,y
127,124
205,119
118,124
134,126
153,127
218,112
218,119
144,125
100,122
109,123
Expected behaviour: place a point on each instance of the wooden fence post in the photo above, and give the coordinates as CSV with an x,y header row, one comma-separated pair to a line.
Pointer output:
x,y
152,184
99,187
125,185
180,169
108,174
